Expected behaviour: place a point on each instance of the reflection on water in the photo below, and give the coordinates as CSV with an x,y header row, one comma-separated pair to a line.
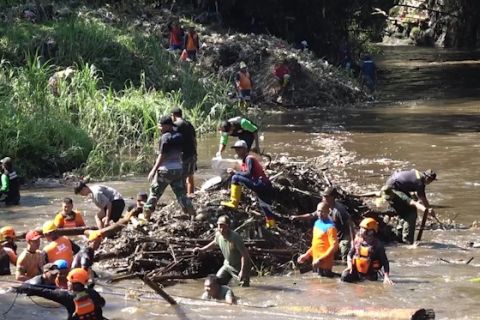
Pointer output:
x,y
423,119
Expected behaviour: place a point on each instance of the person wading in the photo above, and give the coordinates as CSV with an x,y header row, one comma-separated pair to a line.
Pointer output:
x,y
189,152
68,218
397,191
253,177
168,170
214,290
59,247
81,302
108,200
10,184
340,217
10,237
30,261
237,259
367,256
324,243
239,127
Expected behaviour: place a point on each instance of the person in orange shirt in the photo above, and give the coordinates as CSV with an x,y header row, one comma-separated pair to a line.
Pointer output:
x,y
244,83
324,243
30,262
59,247
68,218
191,43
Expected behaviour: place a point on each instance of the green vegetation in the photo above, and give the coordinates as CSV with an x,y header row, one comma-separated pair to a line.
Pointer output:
x,y
103,117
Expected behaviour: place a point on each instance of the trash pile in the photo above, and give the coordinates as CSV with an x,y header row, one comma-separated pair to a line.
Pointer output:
x,y
162,250
314,82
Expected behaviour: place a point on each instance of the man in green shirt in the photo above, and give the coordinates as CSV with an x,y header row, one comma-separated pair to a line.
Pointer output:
x,y
239,127
213,290
237,259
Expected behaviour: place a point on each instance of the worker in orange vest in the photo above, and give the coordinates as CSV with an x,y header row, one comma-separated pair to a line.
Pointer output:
x,y
59,247
191,44
244,83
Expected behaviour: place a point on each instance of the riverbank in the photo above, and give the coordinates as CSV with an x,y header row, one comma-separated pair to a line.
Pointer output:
x,y
85,85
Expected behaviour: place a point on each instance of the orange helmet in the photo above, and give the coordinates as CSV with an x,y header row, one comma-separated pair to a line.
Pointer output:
x,y
369,224
8,231
78,275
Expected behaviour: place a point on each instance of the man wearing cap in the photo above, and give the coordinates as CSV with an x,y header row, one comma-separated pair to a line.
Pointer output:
x,y
30,261
239,127
243,83
81,302
47,278
189,152
9,184
168,170
68,218
237,259
59,247
253,177
397,191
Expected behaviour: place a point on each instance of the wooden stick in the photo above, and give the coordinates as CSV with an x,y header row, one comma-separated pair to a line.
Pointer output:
x,y
158,290
422,225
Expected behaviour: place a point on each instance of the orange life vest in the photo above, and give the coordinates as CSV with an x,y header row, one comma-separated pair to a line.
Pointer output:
x,y
61,248
245,83
363,262
191,42
84,307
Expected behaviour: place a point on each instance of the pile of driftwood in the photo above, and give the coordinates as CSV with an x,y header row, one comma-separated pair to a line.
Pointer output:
x,y
162,249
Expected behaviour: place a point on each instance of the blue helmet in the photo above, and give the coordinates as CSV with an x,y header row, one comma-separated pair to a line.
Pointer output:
x,y
61,264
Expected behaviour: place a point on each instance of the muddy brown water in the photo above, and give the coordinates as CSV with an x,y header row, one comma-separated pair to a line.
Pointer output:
x,y
426,116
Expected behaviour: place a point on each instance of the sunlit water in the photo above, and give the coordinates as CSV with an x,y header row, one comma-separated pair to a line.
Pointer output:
x,y
426,116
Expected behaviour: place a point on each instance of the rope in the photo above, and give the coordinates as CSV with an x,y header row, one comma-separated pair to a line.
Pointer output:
x,y
10,307
120,294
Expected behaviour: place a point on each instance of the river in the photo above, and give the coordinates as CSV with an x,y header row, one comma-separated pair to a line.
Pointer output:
x,y
426,115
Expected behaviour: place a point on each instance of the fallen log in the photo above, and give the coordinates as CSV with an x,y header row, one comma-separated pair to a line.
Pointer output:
x,y
63,231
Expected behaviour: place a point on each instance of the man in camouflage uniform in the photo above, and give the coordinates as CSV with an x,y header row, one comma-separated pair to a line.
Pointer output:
x,y
398,192
168,170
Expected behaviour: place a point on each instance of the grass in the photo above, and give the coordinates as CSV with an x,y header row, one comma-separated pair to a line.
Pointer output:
x,y
102,120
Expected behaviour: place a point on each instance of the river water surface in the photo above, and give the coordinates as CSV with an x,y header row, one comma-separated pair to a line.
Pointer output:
x,y
426,116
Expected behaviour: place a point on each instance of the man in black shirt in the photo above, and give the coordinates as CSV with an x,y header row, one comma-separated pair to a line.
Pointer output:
x,y
168,170
189,152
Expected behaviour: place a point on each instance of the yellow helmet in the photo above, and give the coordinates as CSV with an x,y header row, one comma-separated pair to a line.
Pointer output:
x,y
48,227
369,224
8,231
